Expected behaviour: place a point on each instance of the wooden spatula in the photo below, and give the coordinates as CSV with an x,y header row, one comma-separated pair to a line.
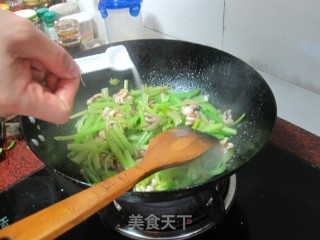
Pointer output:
x,y
170,148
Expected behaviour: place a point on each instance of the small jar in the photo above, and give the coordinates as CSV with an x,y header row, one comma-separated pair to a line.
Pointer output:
x,y
69,37
35,4
29,14
86,25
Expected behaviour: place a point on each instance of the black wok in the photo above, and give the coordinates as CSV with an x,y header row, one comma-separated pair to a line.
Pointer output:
x,y
230,82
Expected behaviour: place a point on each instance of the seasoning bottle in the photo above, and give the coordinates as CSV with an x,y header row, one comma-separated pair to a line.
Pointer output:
x,y
35,4
69,37
42,24
49,19
29,14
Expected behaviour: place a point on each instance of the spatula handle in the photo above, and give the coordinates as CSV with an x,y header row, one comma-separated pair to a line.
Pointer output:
x,y
53,221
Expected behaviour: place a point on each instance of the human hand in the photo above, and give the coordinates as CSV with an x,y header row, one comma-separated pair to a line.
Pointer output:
x,y
37,76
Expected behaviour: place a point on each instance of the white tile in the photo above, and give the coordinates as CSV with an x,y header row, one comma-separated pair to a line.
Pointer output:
x,y
196,21
295,104
278,37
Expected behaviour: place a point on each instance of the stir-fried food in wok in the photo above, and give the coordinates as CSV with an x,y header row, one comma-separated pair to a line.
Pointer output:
x,y
113,132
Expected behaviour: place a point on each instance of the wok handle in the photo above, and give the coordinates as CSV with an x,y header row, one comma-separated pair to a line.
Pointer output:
x,y
58,218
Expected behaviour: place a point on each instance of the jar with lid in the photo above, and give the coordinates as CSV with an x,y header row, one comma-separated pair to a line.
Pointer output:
x,y
35,4
69,37
29,14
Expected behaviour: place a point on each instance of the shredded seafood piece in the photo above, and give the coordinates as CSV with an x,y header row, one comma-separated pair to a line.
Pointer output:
x,y
151,118
189,109
139,154
94,97
109,115
191,112
105,113
102,134
114,113
226,145
227,117
191,118
114,164
121,96
150,187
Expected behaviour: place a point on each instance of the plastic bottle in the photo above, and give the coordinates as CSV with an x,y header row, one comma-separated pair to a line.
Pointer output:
x,y
122,19
69,37
50,18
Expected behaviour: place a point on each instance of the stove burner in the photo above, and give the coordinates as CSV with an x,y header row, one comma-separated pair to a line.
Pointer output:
x,y
28,197
177,219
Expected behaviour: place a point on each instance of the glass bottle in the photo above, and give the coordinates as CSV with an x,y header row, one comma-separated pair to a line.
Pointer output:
x,y
50,18
15,5
40,13
68,32
35,4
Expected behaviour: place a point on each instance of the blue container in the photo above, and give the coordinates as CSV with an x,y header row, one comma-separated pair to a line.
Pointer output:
x,y
134,6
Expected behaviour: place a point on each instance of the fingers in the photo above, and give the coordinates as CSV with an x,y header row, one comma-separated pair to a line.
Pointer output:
x,y
52,106
52,56
39,72
52,82
40,48
62,77
66,91
42,73
57,100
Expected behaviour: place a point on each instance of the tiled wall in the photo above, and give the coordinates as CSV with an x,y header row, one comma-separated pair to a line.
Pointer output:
x,y
197,21
280,39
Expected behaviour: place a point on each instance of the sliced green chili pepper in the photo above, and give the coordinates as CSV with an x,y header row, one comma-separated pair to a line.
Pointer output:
x,y
11,145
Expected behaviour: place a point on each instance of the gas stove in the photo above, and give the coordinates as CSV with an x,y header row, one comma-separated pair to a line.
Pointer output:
x,y
275,196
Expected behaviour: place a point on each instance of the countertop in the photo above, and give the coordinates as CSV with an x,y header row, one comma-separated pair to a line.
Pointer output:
x,y
19,162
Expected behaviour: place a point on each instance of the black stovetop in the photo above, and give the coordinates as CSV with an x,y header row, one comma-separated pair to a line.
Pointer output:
x,y
278,197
